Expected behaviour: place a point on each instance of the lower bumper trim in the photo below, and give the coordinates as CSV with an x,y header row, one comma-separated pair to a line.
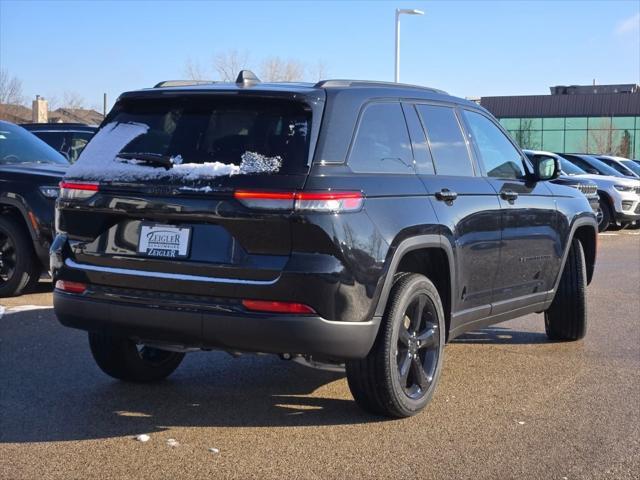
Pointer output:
x,y
266,333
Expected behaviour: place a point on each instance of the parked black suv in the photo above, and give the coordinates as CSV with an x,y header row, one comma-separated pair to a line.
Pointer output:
x,y
345,221
30,171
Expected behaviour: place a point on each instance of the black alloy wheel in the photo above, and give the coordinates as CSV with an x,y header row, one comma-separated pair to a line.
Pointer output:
x,y
8,258
418,347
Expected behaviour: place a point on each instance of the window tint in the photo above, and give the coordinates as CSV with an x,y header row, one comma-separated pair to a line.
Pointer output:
x,y
219,128
498,155
382,142
448,148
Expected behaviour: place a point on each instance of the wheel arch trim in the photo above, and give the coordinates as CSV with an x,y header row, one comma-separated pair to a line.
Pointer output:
x,y
577,223
17,203
433,241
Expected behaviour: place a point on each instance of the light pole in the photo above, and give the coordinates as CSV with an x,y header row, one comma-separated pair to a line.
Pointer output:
x,y
400,11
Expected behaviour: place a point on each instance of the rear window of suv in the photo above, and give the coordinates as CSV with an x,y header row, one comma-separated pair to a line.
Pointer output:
x,y
219,129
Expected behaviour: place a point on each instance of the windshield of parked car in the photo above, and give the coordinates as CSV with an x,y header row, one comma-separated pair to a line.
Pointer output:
x,y
71,142
603,168
569,168
17,146
586,161
631,165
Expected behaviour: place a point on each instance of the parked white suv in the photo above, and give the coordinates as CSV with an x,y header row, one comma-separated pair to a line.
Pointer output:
x,y
619,195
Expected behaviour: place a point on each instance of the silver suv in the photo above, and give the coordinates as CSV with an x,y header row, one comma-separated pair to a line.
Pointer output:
x,y
619,195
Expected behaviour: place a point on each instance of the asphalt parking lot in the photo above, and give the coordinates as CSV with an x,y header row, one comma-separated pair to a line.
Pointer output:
x,y
510,404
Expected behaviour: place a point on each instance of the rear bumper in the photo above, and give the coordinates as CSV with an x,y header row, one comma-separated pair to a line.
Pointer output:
x,y
184,325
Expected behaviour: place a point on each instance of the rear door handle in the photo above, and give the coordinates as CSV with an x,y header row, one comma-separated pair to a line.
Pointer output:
x,y
509,195
446,195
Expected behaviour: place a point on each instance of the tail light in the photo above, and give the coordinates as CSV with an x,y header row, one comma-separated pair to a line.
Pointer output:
x,y
277,307
302,201
71,287
78,190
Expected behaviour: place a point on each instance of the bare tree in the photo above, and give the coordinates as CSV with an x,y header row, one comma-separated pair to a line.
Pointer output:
x,y
319,71
10,89
527,137
228,64
194,71
624,147
53,101
274,69
72,100
600,141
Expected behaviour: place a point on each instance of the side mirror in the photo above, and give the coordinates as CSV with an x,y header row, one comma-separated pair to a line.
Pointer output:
x,y
546,168
593,171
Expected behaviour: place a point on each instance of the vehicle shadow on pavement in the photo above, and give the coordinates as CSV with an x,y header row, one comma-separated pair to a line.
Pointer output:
x,y
51,390
502,335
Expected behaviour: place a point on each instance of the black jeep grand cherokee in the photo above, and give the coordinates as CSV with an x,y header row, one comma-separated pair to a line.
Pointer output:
x,y
344,222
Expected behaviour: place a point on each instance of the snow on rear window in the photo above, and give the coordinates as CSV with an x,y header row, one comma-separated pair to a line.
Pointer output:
x,y
196,139
100,161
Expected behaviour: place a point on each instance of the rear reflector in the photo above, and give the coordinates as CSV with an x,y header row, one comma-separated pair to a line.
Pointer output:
x,y
302,201
77,190
277,307
71,287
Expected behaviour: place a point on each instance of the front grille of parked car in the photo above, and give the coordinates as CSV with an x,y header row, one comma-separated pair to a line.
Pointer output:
x,y
587,189
638,190
637,210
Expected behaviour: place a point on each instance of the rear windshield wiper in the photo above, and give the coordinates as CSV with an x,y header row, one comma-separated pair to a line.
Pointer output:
x,y
165,161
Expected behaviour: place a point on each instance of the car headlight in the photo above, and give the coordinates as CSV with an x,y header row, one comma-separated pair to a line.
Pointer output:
x,y
624,188
50,192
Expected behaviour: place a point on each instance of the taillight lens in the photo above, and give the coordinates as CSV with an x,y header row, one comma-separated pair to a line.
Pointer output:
x,y
277,307
78,190
302,201
71,287
329,201
265,200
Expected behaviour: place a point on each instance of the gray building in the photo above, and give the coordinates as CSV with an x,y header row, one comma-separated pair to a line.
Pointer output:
x,y
602,119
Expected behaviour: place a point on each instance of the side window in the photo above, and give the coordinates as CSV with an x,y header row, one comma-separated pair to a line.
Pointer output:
x,y
421,153
382,142
498,155
448,147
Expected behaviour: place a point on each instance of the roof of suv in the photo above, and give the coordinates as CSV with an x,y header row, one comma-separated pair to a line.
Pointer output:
x,y
248,82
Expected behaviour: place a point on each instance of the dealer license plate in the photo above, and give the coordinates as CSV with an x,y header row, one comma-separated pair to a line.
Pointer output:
x,y
164,241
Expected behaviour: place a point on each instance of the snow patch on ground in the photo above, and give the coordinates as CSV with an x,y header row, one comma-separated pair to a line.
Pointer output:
x,y
99,160
172,442
21,308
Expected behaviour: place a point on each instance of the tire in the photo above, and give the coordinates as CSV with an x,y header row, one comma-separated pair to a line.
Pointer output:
x,y
19,267
566,318
605,220
121,358
376,382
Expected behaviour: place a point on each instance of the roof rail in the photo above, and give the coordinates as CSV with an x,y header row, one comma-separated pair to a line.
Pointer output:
x,y
182,83
372,83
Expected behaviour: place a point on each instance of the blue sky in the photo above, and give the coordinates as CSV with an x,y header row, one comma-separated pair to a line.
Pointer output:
x,y
469,48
